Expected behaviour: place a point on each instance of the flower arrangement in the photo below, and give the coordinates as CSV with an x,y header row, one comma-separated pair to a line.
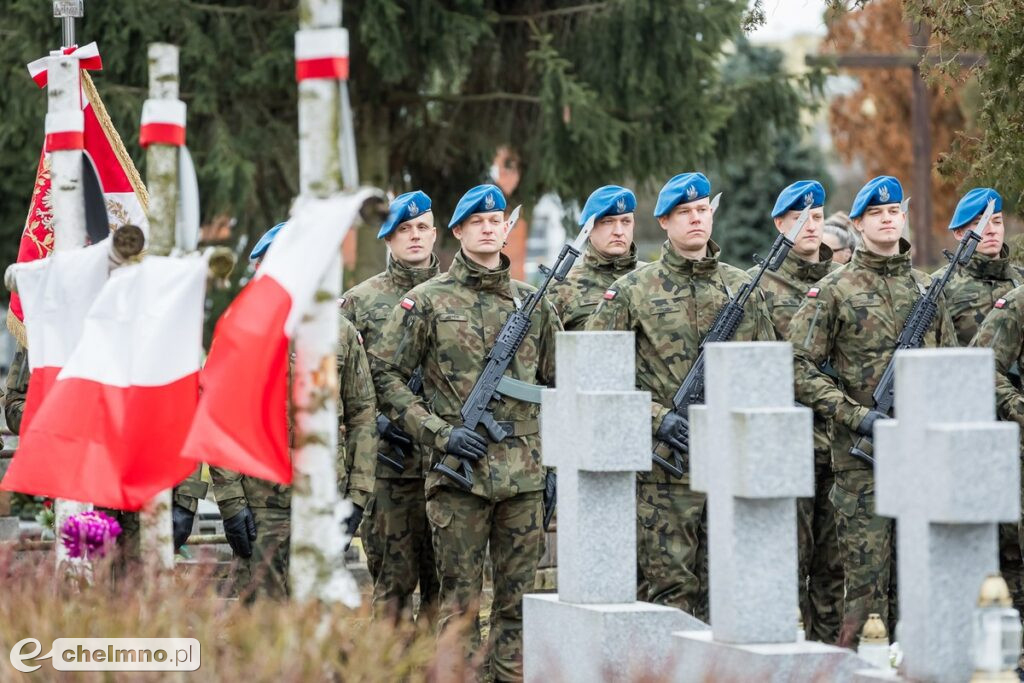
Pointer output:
x,y
46,517
89,535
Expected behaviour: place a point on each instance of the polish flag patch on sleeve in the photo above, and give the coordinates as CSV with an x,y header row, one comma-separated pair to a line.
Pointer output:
x,y
609,294
407,304
1001,303
813,292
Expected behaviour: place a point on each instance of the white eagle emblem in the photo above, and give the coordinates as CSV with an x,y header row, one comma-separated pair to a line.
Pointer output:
x,y
621,204
809,199
489,201
691,193
413,209
883,194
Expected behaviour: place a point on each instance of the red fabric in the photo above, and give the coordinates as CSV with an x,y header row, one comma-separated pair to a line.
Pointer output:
x,y
71,139
161,134
39,384
37,237
111,446
88,64
241,422
326,67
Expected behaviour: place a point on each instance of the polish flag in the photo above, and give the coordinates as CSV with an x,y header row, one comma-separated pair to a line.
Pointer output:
x,y
112,425
57,293
242,419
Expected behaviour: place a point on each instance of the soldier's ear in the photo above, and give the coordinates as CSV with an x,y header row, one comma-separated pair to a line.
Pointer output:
x,y
457,232
663,222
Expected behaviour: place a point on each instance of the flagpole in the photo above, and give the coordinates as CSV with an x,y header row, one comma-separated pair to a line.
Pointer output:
x,y
317,566
156,541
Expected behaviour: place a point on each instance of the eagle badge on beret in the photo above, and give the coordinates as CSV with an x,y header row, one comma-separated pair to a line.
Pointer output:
x,y
691,192
489,201
809,199
883,193
413,209
621,204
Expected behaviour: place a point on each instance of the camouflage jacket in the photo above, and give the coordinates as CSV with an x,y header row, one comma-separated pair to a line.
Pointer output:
x,y
186,494
577,297
973,290
1002,330
357,441
446,326
784,291
852,318
368,305
670,305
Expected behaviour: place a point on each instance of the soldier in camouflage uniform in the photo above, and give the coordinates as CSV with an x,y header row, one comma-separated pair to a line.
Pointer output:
x,y
851,318
186,495
610,254
971,294
446,327
821,570
257,512
395,532
670,305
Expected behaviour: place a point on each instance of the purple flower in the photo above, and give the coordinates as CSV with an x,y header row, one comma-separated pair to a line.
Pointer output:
x,y
89,534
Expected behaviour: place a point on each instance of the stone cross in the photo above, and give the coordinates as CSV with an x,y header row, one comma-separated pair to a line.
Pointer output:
x,y
948,473
751,451
596,429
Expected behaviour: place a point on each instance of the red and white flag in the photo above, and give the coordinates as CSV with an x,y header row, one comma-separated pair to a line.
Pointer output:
x,y
242,419
56,294
122,188
111,427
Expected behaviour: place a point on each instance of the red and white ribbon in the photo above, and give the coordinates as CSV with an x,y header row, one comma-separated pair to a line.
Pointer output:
x,y
65,130
321,53
163,123
88,58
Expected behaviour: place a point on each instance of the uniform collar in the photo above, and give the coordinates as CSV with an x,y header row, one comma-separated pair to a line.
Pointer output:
x,y
796,268
884,265
986,267
598,261
406,278
685,266
468,272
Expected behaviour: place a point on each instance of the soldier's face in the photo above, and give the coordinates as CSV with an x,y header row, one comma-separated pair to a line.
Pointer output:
x,y
688,226
809,240
412,242
991,237
881,227
482,233
612,235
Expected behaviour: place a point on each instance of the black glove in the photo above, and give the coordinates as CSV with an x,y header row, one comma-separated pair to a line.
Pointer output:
x,y
240,531
465,443
550,497
675,431
387,431
352,523
181,524
867,424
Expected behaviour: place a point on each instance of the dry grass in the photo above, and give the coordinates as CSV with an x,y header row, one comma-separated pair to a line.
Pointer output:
x,y
280,642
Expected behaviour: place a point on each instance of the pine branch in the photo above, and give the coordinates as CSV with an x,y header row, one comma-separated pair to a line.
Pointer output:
x,y
240,9
547,14
398,98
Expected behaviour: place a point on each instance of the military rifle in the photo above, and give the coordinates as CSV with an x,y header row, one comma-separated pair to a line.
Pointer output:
x,y
475,410
691,391
920,320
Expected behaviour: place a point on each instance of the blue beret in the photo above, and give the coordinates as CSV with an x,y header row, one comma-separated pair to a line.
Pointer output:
x,y
682,189
610,200
404,207
264,243
480,199
973,205
881,190
796,197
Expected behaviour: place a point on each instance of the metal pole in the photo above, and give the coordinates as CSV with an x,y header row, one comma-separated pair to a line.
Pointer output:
x,y
317,570
156,542
67,11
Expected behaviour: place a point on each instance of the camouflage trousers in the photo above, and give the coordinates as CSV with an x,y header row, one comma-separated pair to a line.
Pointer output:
x,y
821,566
462,525
866,543
672,541
265,574
399,552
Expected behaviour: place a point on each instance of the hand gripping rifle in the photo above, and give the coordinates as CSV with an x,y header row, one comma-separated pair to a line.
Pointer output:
x,y
917,325
691,391
393,454
492,382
